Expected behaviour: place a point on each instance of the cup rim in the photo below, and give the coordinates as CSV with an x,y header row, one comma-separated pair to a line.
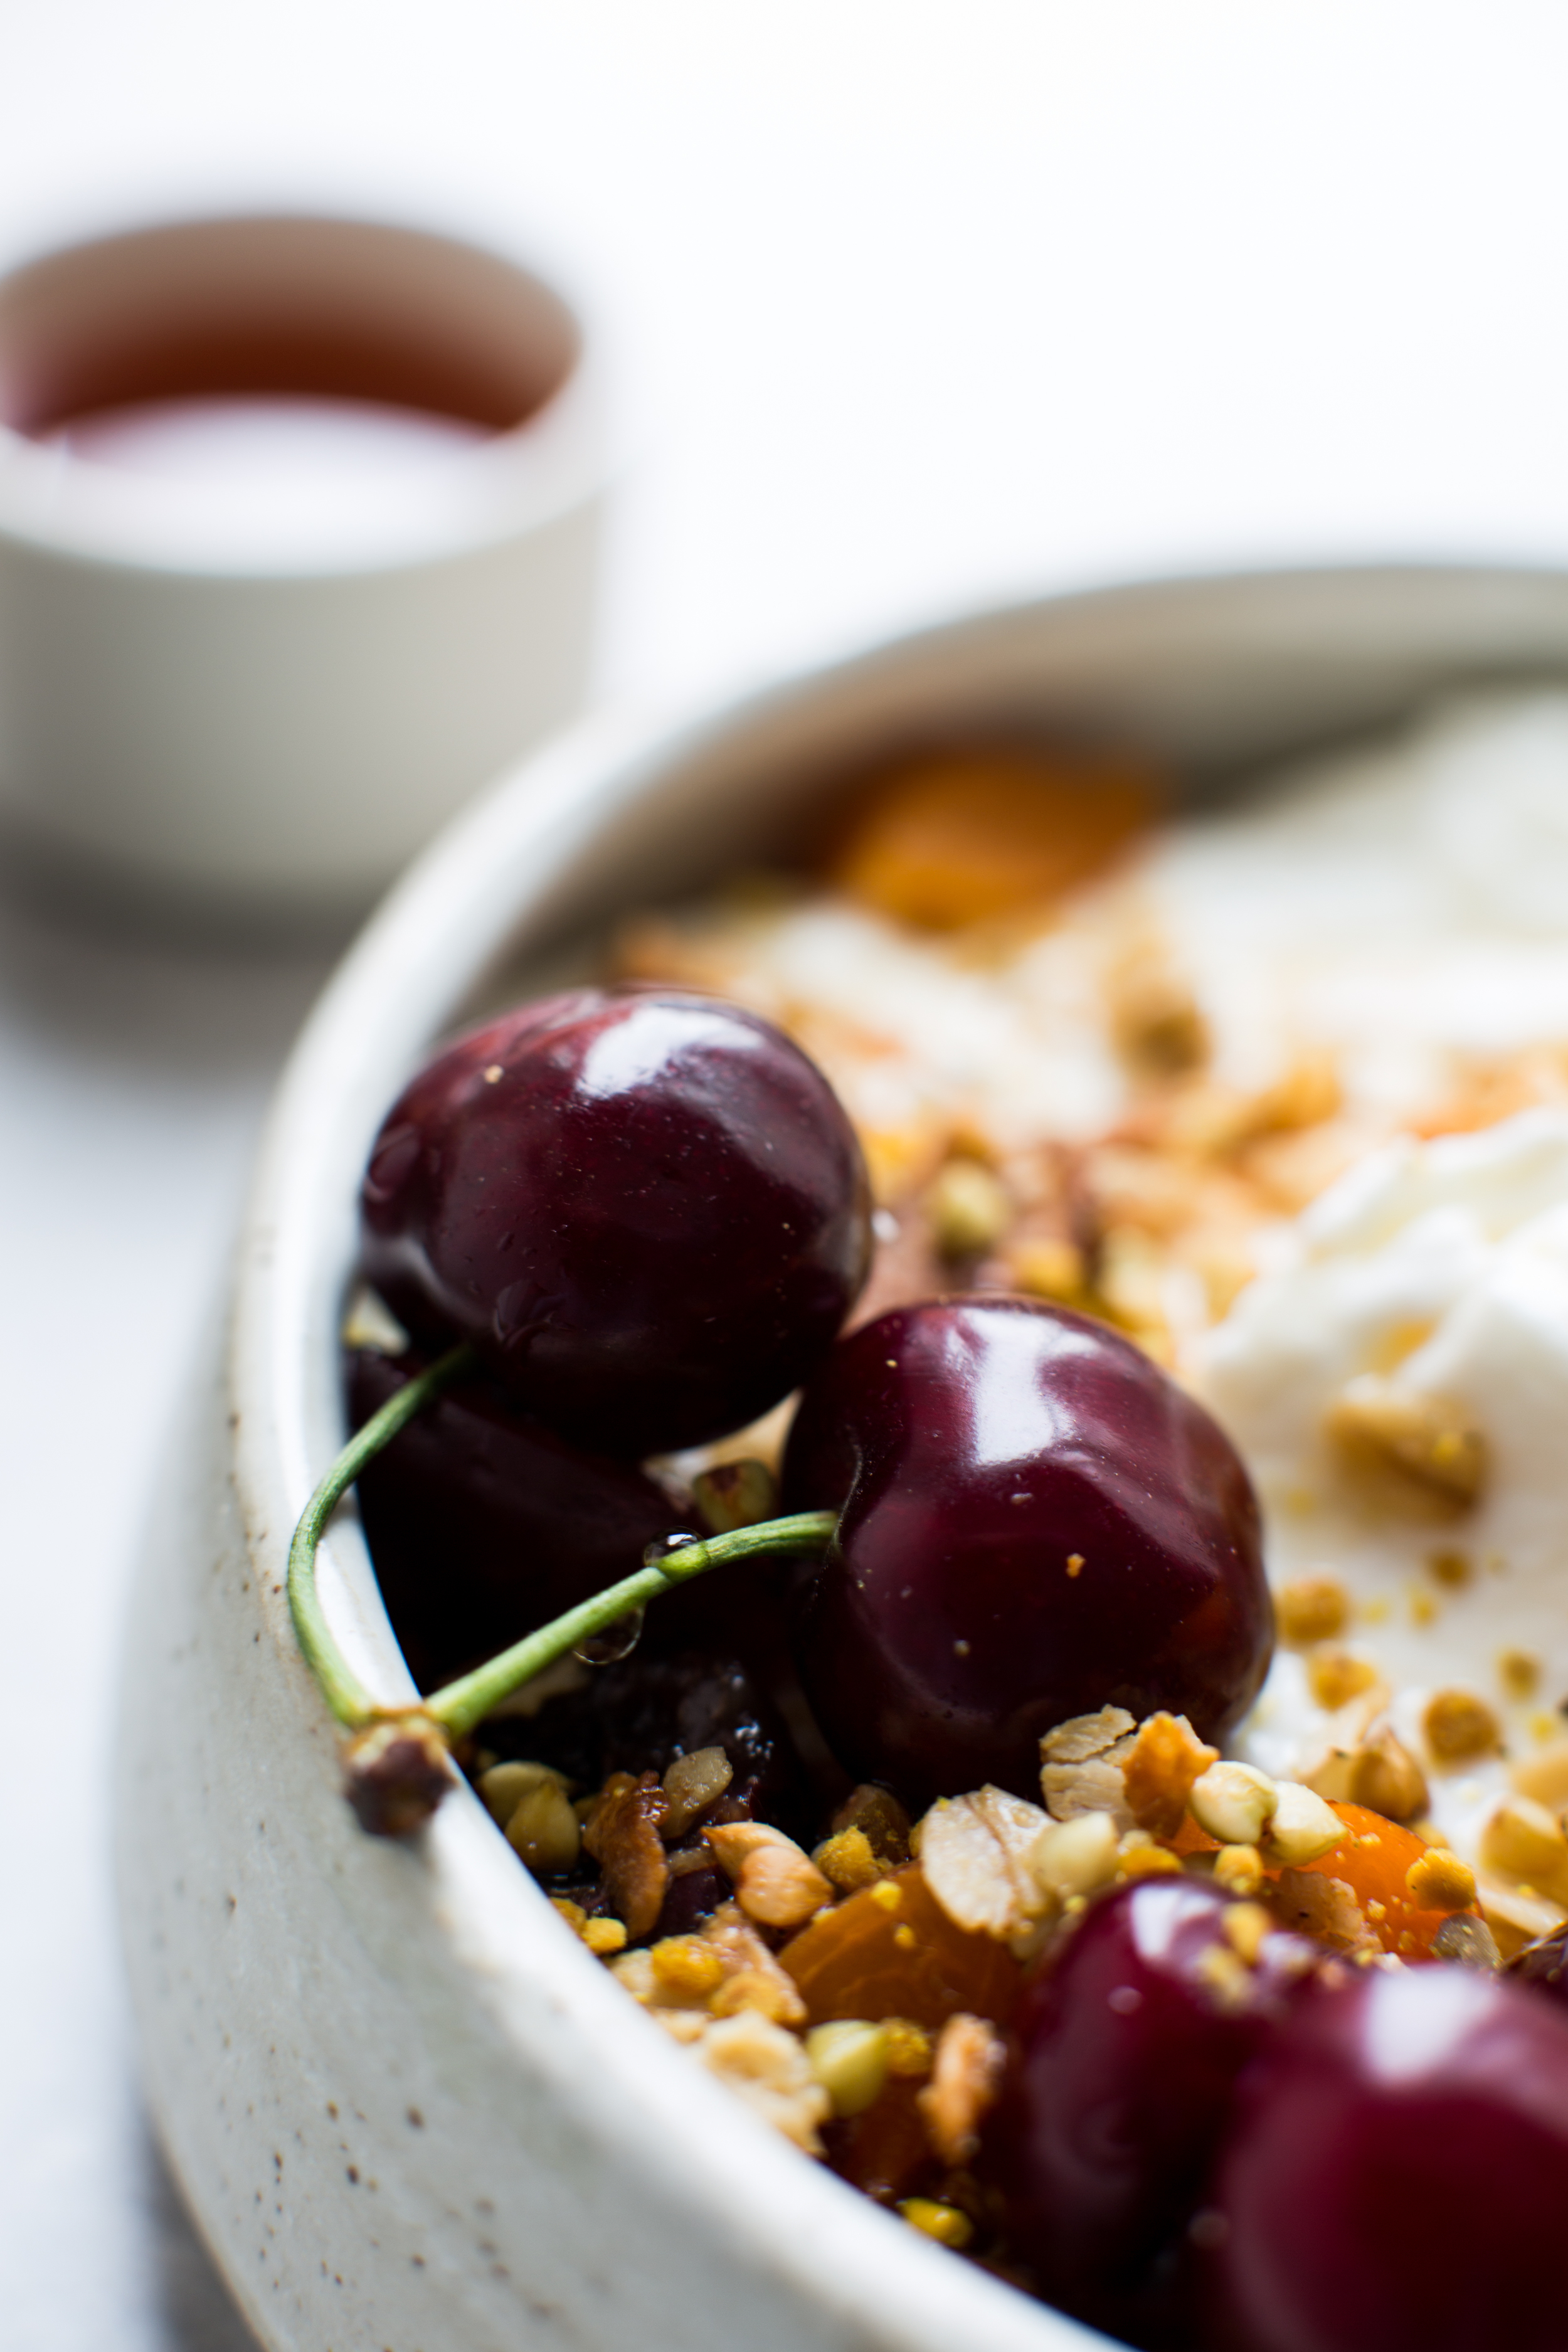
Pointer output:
x,y
518,479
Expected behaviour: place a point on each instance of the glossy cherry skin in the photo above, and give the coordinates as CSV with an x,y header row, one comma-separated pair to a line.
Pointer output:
x,y
1119,2088
484,1524
1397,2174
1035,1522
645,1208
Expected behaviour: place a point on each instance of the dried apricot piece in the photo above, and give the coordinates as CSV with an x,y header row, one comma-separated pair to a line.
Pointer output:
x,y
1374,1862
892,1951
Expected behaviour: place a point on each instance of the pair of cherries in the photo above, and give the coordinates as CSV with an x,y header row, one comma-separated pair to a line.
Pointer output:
x,y
1290,2158
647,1213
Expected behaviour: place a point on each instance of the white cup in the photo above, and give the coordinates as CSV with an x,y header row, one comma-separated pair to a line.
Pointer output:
x,y
264,699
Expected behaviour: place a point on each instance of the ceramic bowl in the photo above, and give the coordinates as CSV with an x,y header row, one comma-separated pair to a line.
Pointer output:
x,y
407,2106
264,699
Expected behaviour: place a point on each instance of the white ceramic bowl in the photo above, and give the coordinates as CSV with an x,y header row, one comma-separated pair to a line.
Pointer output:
x,y
268,703
405,2106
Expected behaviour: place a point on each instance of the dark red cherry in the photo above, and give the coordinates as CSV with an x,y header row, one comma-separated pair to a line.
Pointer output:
x,y
645,1208
1119,2088
1036,1522
1397,2174
484,1524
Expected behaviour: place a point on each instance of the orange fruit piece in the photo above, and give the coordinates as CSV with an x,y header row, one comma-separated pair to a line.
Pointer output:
x,y
966,836
892,1951
1372,1863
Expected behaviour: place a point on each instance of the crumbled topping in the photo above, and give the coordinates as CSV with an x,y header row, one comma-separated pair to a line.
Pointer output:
x,y
691,1784
965,2078
685,1968
1138,1856
1525,1843
1363,1763
604,1937
1459,1728
847,1862
1439,1881
1467,1941
974,1854
1544,1775
776,1882
1517,1915
1081,1766
1238,1869
1301,1828
880,1819
909,2049
1311,1609
1420,1455
768,2067
622,1834
849,2059
1233,1803
1083,1736
1165,1759
1336,1676
1244,1926
950,2225
1075,1857
1325,1907
1518,1671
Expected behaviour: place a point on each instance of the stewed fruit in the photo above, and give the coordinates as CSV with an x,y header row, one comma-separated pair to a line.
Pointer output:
x,y
645,1208
1034,1521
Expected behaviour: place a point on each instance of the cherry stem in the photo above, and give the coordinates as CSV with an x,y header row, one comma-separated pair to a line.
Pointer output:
x,y
460,1704
340,1687
465,1702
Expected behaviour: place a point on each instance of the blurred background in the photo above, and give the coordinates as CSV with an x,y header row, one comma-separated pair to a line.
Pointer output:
x,y
908,306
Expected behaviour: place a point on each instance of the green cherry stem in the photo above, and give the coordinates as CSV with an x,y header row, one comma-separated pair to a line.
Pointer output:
x,y
340,1687
463,1703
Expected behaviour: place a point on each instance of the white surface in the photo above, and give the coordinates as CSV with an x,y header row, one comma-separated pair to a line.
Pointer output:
x,y
922,302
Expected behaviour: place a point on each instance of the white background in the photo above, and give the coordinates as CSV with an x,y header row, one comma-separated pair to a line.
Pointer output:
x,y
914,305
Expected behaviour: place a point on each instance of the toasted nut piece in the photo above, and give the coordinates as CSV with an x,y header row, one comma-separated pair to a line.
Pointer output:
x,y
974,1854
1322,1906
1238,1869
1524,1842
1420,1453
685,1968
604,1937
965,2078
880,1818
504,1787
1302,1828
690,1786
1459,1726
577,1918
543,1830
1049,1269
754,1989
1386,1779
1440,1881
1083,1736
1336,1676
1233,1803
1312,1608
1467,1941
1544,1775
776,1882
849,2059
621,1833
846,1861
1075,1857
735,1495
948,2224
970,1208
1517,1916
1167,1759
1518,1671
1138,1856
910,2048
769,2070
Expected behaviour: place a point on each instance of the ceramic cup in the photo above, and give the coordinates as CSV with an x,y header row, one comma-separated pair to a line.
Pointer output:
x,y
406,2105
264,690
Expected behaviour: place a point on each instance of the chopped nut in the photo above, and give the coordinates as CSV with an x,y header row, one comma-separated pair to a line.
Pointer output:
x,y
1415,1453
1302,1828
755,1988
1387,1779
1238,1869
1322,1906
1244,1925
1467,1941
1440,1881
504,1787
776,1882
1074,1857
1524,1842
966,2075
880,1818
1166,1757
1544,1775
974,1855
542,1828
1460,1728
573,1913
735,1495
969,1209
1312,1608
690,1786
910,2051
1518,1671
1517,1916
1225,1976
846,1861
1233,1803
749,1963
1083,1736
685,1968
1453,1568
1049,1269
769,2070
1336,1676
1138,1856
632,1972
950,2225
604,1937
1158,1028
849,2059
621,1833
